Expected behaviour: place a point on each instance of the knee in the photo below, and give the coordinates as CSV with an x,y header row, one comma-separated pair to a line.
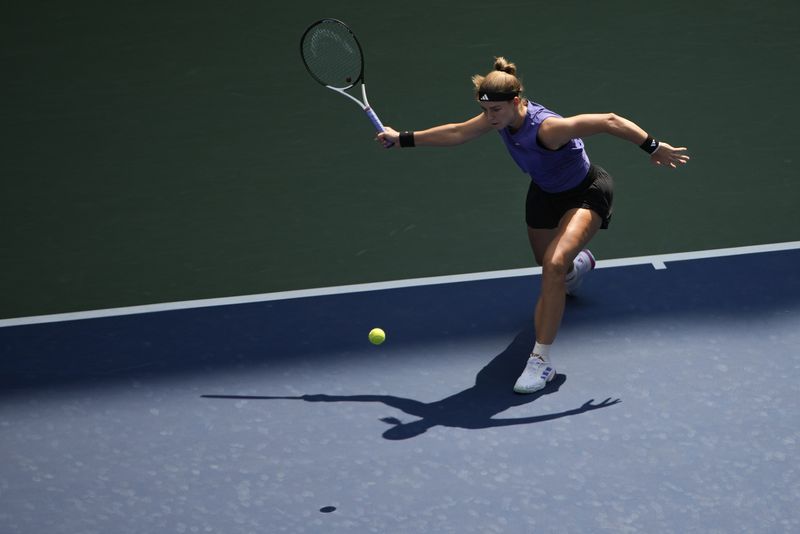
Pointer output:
x,y
555,266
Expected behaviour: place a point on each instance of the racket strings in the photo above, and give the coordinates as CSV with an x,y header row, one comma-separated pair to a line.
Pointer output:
x,y
332,55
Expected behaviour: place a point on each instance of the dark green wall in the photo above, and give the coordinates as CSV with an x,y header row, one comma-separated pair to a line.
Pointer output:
x,y
159,151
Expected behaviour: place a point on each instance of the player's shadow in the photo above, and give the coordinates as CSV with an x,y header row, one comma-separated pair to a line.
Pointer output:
x,y
473,408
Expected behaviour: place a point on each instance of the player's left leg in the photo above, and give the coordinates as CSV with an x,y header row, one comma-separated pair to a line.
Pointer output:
x,y
576,228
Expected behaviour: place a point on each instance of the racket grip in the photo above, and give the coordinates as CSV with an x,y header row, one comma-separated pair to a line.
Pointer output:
x,y
376,122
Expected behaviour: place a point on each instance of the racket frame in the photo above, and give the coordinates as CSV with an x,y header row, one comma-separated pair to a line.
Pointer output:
x,y
373,117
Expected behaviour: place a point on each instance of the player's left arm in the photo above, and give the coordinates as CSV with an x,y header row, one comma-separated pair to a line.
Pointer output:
x,y
555,132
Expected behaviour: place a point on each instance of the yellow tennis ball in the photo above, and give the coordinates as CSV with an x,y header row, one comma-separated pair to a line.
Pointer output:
x,y
377,336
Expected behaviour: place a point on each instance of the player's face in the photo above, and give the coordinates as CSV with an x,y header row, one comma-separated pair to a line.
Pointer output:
x,y
500,114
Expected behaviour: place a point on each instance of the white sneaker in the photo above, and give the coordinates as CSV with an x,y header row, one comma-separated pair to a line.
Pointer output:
x,y
538,372
583,263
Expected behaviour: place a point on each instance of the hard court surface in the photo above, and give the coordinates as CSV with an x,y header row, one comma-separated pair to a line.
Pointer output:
x,y
674,410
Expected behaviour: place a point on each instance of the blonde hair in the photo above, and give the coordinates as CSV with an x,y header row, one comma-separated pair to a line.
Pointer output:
x,y
502,79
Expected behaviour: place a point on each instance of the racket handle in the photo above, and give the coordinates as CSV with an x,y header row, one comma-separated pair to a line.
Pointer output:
x,y
376,122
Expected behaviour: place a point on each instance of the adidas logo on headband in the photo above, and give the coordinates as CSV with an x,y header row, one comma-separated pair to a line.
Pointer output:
x,y
498,97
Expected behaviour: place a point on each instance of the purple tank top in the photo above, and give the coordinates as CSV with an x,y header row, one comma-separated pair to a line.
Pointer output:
x,y
552,170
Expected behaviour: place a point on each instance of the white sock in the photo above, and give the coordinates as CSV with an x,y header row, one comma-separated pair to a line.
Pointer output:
x,y
540,349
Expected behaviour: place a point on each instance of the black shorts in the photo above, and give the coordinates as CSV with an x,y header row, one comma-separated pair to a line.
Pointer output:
x,y
596,192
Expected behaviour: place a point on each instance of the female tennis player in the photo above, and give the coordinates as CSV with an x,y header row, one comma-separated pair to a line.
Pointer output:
x,y
569,198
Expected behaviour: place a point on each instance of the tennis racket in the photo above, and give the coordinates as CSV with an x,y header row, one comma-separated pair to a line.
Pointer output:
x,y
334,58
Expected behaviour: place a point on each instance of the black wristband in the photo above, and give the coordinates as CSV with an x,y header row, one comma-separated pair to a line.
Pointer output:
x,y
407,139
650,145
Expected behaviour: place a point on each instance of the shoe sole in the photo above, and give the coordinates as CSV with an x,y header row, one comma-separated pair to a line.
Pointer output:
x,y
591,258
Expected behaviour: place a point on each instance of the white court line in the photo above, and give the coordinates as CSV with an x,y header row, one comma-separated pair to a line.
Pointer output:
x,y
658,261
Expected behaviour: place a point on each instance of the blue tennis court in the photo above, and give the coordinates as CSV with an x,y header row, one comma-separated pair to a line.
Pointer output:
x,y
674,409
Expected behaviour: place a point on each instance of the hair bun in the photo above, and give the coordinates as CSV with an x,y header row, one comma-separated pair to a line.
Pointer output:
x,y
502,79
502,64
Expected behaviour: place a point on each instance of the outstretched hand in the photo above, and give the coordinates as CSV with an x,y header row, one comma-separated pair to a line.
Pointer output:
x,y
669,155
389,138
589,405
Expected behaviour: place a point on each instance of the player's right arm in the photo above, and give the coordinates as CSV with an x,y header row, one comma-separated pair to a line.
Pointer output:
x,y
443,135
